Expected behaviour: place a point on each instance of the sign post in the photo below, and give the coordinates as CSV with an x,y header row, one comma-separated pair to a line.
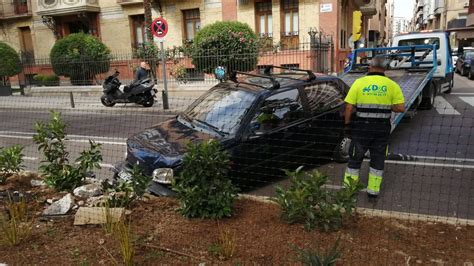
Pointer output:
x,y
159,27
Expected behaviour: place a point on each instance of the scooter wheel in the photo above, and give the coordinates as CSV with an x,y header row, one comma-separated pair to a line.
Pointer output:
x,y
149,102
106,102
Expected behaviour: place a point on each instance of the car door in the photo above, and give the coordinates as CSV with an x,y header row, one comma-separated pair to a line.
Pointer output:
x,y
274,134
326,107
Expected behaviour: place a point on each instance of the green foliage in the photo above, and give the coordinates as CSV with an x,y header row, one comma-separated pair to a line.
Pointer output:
x,y
308,202
123,192
11,64
60,174
317,258
11,161
46,80
231,44
80,56
148,51
203,189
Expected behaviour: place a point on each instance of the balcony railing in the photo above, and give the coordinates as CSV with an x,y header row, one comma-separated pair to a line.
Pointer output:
x,y
15,8
129,2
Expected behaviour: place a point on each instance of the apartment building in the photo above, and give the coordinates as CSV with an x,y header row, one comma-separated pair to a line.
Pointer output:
x,y
33,26
377,26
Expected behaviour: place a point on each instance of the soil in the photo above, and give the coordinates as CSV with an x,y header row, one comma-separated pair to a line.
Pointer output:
x,y
162,236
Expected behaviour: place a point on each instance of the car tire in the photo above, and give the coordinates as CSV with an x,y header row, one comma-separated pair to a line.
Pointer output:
x,y
341,151
428,100
106,102
470,75
463,72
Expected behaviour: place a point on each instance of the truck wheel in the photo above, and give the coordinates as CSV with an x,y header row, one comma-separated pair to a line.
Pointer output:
x,y
429,94
341,152
451,85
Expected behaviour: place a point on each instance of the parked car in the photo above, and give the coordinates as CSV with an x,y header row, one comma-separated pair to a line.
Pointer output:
x,y
267,123
463,64
470,74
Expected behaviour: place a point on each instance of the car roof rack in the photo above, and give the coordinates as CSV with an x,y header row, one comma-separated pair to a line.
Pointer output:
x,y
310,73
275,83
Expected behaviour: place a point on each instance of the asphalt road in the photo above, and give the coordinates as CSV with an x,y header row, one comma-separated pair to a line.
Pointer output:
x,y
436,180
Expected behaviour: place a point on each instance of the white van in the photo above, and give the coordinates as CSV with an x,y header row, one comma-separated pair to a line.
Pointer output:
x,y
443,78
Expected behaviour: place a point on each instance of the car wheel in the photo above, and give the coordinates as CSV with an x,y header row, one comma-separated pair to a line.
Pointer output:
x,y
106,102
470,75
428,97
463,72
341,151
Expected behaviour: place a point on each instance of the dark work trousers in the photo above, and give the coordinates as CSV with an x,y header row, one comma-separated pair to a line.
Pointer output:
x,y
369,134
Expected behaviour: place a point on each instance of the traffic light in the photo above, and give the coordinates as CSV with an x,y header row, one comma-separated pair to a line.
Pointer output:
x,y
356,25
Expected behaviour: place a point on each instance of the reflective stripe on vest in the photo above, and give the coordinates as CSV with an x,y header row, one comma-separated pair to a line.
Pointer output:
x,y
374,111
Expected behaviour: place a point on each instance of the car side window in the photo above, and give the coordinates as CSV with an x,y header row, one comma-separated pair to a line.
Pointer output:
x,y
323,96
278,110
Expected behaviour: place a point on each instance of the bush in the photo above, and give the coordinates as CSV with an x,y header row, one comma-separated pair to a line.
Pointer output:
x,y
318,258
11,161
11,64
231,44
60,174
47,80
203,188
80,56
308,202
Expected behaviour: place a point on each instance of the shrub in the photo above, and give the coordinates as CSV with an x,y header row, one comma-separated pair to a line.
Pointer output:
x,y
231,44
318,258
203,188
16,228
60,174
11,64
11,161
308,202
46,80
80,56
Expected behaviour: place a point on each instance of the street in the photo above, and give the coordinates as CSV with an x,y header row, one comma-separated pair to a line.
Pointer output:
x,y
430,170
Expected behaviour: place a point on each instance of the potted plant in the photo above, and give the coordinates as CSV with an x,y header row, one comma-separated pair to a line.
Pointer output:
x,y
9,67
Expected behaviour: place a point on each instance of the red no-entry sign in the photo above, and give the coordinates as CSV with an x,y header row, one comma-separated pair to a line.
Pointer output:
x,y
159,27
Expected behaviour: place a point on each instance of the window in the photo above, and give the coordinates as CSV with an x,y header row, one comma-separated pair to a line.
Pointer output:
x,y
290,24
342,39
138,30
192,23
278,110
323,97
264,18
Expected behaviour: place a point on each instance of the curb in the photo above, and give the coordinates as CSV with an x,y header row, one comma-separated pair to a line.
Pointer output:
x,y
384,213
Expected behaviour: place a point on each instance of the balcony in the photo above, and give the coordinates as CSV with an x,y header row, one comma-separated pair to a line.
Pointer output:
x,y
367,7
15,9
129,2
66,7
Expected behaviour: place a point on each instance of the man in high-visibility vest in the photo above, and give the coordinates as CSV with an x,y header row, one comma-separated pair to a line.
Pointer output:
x,y
374,98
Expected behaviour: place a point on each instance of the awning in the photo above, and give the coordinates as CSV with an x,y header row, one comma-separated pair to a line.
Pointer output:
x,y
463,33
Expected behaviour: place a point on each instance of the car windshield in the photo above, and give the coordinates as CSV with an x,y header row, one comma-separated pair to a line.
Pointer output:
x,y
419,41
221,110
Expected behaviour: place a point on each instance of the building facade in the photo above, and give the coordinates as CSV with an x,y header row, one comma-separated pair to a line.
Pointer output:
x,y
33,26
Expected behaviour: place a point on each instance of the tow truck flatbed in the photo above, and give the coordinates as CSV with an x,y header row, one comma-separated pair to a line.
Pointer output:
x,y
412,80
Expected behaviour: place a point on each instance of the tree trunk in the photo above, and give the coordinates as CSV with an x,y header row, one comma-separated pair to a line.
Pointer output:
x,y
148,20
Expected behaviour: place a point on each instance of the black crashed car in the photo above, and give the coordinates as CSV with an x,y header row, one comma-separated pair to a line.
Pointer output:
x,y
266,122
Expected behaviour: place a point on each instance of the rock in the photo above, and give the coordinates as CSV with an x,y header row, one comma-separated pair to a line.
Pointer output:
x,y
60,207
49,201
90,180
87,191
95,201
37,183
81,203
97,215
101,241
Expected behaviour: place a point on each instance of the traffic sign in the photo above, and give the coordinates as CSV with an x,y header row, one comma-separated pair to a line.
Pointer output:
x,y
159,27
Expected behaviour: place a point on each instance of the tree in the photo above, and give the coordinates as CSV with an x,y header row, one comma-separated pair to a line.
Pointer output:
x,y
80,56
231,44
10,63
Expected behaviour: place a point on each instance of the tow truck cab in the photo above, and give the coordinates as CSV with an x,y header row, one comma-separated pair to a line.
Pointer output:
x,y
444,74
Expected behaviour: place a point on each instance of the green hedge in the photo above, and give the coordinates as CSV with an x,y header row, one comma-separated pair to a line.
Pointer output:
x,y
231,44
10,63
46,80
80,56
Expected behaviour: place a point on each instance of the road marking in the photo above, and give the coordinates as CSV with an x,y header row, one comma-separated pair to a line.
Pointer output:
x,y
71,140
69,135
30,158
446,165
462,93
104,165
444,107
469,100
444,158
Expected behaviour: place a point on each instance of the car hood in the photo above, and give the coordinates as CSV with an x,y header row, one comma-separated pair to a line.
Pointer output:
x,y
162,145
